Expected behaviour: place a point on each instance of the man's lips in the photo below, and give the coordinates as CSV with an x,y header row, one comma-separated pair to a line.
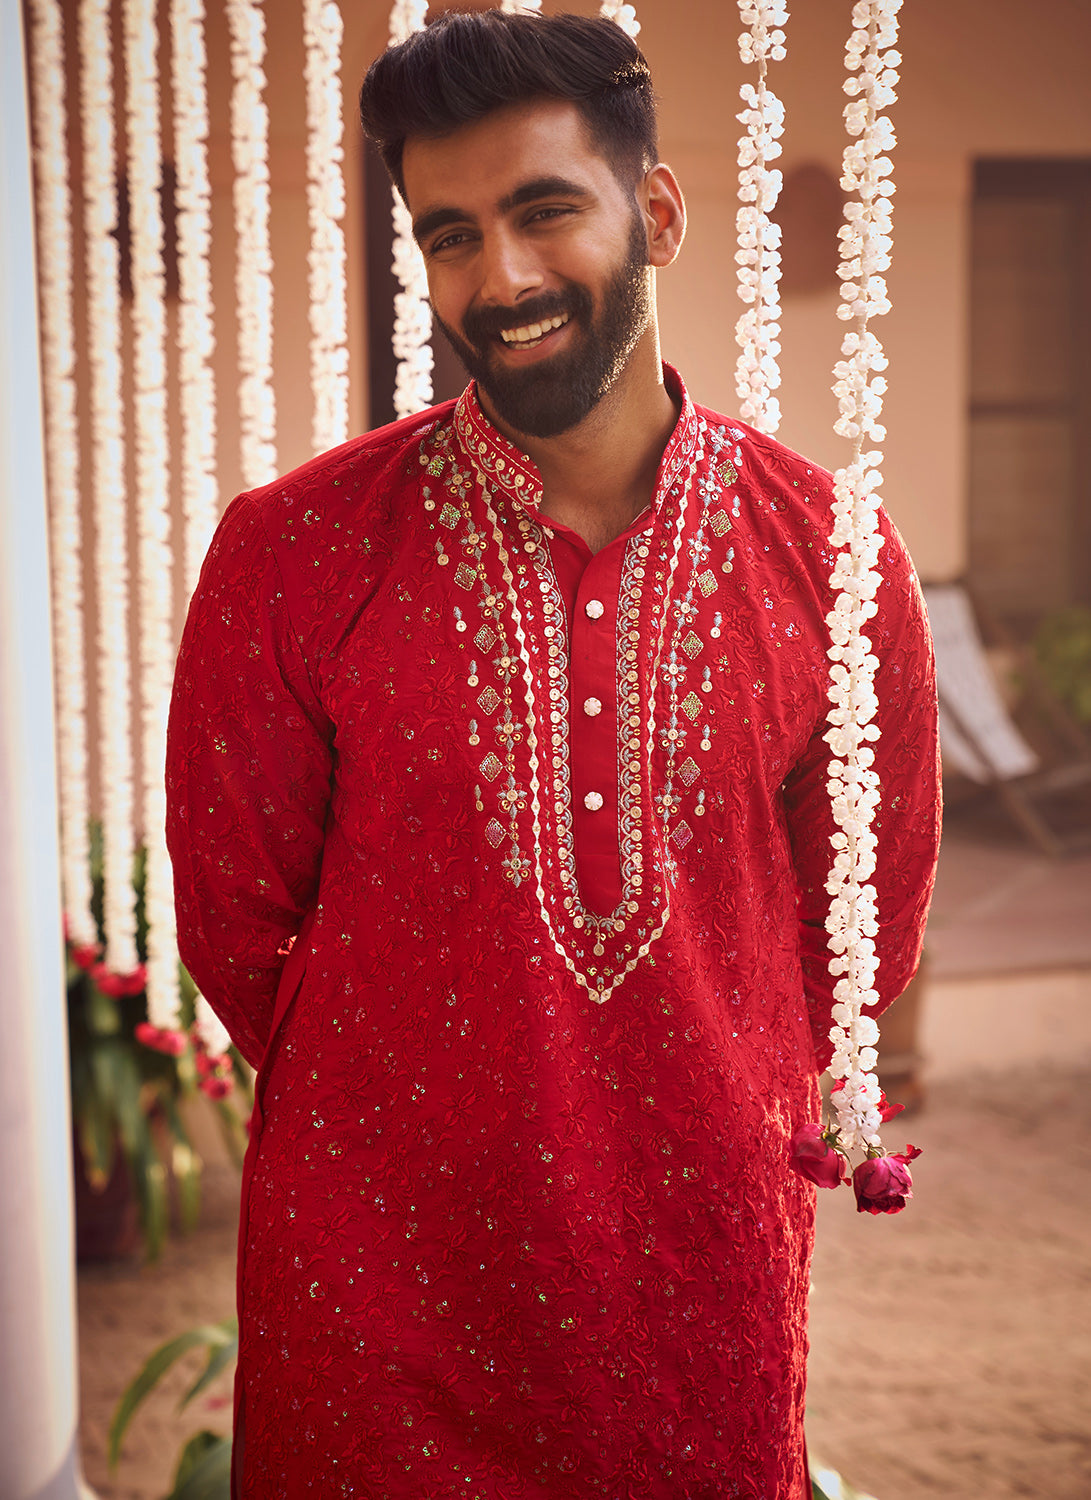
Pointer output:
x,y
530,335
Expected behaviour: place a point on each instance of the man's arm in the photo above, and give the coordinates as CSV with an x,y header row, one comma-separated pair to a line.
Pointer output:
x,y
248,780
907,822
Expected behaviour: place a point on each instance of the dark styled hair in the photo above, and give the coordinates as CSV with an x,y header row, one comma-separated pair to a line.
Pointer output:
x,y
466,64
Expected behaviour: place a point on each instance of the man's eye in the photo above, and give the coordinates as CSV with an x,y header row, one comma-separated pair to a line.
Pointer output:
x,y
449,241
553,212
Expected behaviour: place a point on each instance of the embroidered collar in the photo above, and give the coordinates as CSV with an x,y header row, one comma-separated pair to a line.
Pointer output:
x,y
501,464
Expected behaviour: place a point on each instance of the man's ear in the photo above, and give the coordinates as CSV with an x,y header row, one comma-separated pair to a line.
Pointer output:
x,y
664,211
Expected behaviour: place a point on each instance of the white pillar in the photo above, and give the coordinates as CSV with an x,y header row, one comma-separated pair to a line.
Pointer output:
x,y
37,1289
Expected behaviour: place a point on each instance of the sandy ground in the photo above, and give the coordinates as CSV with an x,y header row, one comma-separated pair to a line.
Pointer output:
x,y
951,1344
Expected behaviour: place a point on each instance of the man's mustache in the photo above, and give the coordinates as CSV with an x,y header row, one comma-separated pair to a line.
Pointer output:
x,y
483,324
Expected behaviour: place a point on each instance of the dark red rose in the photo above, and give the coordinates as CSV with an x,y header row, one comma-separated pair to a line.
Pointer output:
x,y
884,1184
814,1158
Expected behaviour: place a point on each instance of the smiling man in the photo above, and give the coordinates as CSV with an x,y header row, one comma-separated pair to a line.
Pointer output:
x,y
499,815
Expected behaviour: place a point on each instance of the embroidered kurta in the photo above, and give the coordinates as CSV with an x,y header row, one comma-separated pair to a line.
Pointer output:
x,y
505,863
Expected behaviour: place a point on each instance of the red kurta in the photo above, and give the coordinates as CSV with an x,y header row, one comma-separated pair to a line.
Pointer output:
x,y
551,831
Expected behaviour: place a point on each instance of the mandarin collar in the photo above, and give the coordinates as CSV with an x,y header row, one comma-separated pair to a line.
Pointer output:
x,y
500,463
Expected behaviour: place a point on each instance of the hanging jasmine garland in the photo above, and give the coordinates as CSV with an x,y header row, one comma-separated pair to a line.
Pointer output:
x,y
882,1183
412,313
54,210
757,333
196,340
152,501
253,260
622,15
108,482
323,29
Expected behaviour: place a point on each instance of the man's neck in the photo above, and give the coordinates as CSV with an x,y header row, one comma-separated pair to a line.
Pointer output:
x,y
599,476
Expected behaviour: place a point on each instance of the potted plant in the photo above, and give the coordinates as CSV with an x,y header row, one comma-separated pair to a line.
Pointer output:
x,y
128,1081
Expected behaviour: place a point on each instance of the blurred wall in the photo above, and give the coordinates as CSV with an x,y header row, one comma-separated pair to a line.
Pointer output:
x,y
980,78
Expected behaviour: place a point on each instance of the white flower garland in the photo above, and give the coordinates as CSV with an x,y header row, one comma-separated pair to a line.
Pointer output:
x,y
196,336
412,335
54,220
323,30
622,15
854,789
152,493
108,481
757,333
253,260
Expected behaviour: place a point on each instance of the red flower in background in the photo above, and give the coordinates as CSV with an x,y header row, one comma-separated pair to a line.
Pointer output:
x,y
214,1075
117,985
161,1039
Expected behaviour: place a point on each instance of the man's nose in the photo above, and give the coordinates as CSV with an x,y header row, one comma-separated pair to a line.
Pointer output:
x,y
510,269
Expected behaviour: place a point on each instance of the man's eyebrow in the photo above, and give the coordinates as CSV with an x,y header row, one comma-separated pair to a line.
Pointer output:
x,y
542,187
527,192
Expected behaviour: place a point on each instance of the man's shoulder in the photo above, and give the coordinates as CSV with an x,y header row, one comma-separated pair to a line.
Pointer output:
x,y
357,475
764,457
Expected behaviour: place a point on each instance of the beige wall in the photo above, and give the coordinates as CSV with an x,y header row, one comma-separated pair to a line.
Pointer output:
x,y
980,78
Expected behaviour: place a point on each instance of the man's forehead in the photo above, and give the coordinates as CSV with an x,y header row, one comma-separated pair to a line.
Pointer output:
x,y
491,159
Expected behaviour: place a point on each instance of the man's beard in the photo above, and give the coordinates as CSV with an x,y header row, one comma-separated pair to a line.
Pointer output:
x,y
555,394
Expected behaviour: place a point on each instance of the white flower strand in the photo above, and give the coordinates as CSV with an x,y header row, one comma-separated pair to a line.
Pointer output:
x,y
210,1029
622,15
196,337
53,200
108,481
757,333
854,784
412,335
152,497
253,260
323,30
514,6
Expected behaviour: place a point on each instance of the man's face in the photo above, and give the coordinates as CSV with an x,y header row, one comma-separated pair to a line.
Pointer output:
x,y
537,261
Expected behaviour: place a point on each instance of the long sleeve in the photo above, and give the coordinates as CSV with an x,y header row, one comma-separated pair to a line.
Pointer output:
x,y
249,761
908,819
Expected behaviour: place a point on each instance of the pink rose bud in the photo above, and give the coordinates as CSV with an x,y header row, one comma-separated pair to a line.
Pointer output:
x,y
814,1158
884,1184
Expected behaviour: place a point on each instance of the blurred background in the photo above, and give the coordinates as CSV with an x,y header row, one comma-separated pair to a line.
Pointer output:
x,y
950,1344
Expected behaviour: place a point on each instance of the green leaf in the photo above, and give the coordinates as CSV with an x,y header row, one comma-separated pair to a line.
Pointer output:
x,y
827,1484
103,1012
218,1360
204,1470
212,1335
232,1129
185,1163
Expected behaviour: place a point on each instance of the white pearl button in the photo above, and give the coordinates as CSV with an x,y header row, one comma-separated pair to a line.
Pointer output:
x,y
592,707
594,609
593,801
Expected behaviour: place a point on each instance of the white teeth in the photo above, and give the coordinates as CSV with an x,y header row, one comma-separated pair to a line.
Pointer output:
x,y
533,331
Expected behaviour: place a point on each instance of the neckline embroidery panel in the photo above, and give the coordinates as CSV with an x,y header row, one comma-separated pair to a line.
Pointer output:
x,y
508,614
